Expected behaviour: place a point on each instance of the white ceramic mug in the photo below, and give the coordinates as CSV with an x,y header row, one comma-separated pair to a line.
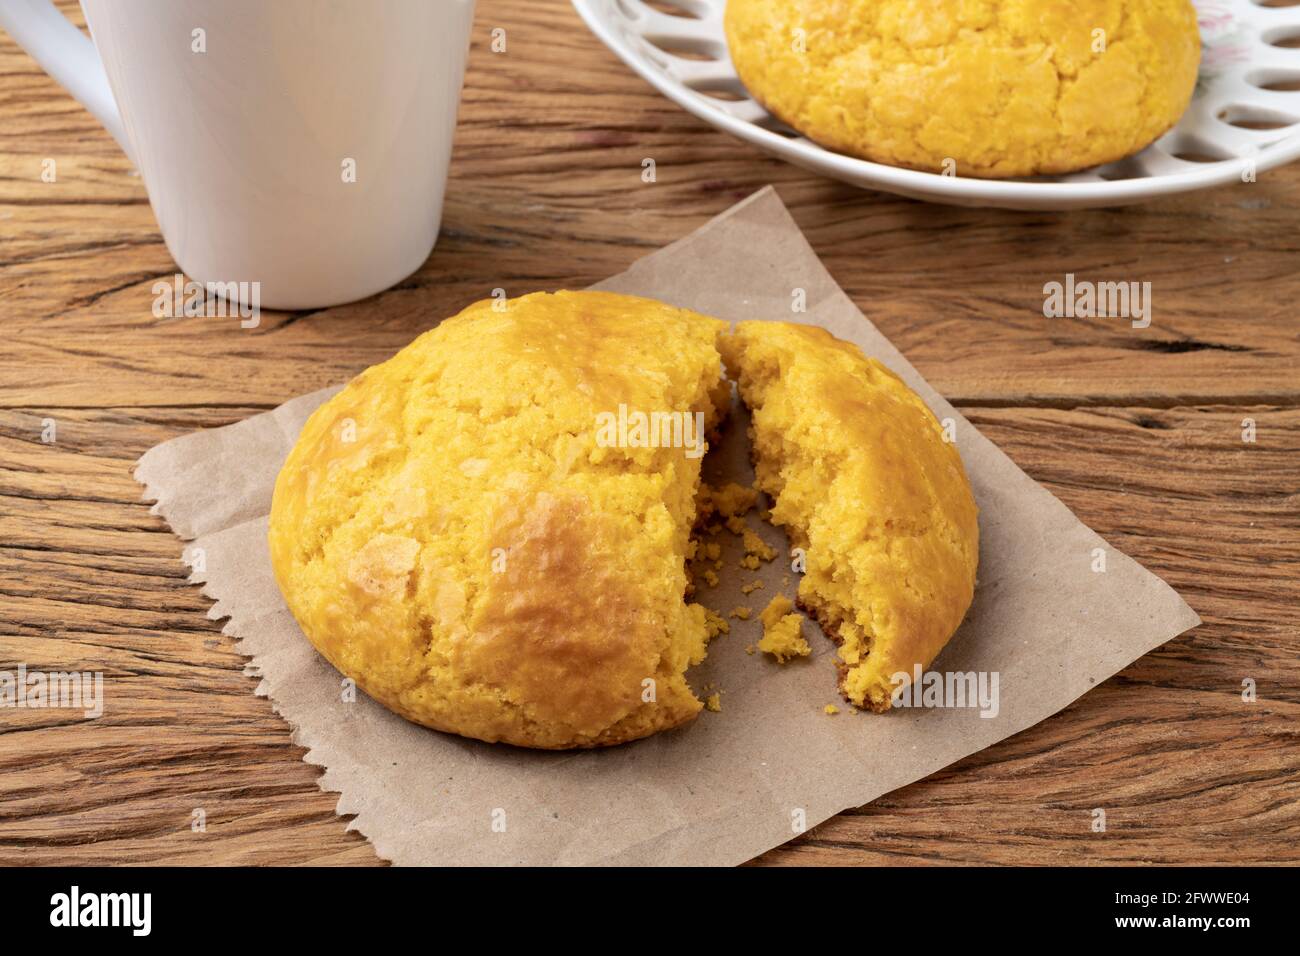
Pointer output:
x,y
299,144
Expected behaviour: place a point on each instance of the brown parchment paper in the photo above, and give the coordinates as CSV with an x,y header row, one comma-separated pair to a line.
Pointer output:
x,y
732,784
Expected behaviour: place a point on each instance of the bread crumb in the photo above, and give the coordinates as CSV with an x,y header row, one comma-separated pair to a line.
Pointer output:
x,y
710,578
713,702
728,501
751,587
712,550
778,607
783,631
757,546
715,624
749,649
743,612
831,710
736,525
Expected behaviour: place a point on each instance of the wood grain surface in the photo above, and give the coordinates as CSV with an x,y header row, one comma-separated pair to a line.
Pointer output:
x,y
1138,430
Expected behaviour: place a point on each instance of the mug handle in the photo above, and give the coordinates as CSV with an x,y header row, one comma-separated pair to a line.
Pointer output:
x,y
68,56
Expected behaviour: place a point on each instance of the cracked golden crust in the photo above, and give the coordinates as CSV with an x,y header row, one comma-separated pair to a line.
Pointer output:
x,y
450,534
1002,88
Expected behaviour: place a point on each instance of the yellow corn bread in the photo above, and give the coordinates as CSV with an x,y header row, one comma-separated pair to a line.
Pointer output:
x,y
864,482
1000,88
450,532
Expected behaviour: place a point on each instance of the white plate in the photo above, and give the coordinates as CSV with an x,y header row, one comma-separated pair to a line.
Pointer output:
x,y
1236,125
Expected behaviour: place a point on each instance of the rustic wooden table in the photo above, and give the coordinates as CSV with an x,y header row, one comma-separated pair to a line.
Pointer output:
x,y
1139,431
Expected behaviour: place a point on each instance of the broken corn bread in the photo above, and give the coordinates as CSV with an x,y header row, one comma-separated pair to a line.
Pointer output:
x,y
449,532
985,88
864,482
